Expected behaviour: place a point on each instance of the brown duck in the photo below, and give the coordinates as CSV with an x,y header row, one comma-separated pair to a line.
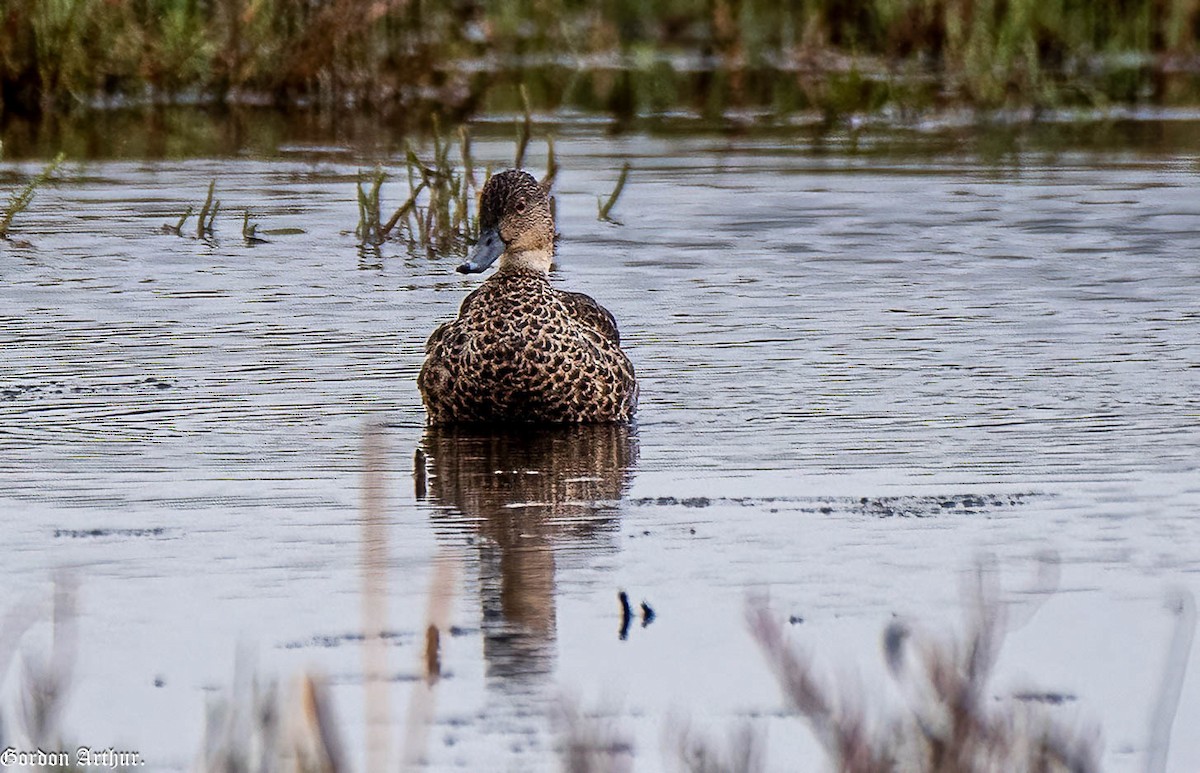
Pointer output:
x,y
522,351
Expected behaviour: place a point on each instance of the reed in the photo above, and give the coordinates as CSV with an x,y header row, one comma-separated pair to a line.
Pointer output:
x,y
369,231
20,200
605,207
250,231
61,55
208,213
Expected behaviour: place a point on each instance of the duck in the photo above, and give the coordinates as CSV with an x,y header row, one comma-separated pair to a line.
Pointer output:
x,y
522,351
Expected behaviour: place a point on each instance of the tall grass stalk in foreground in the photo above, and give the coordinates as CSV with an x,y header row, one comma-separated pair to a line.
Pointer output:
x,y
20,200
951,722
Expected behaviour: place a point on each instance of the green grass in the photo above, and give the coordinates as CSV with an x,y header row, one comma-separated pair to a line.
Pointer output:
x,y
61,54
20,200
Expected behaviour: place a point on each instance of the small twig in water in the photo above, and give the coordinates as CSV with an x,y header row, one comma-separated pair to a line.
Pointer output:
x,y
606,207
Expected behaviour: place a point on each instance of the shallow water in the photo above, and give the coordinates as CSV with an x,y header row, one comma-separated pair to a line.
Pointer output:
x,y
863,362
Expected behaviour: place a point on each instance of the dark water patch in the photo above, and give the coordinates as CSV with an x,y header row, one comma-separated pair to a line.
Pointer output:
x,y
1045,698
328,641
156,531
881,507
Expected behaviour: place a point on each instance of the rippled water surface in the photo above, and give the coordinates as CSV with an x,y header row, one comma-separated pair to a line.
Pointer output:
x,y
861,365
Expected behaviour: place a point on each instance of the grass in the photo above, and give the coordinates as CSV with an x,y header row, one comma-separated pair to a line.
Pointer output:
x,y
20,200
205,222
605,207
64,54
440,214
951,720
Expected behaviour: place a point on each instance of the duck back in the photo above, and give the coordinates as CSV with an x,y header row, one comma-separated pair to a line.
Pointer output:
x,y
523,352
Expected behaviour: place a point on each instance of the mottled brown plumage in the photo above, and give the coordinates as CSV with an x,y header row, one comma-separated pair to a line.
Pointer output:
x,y
522,351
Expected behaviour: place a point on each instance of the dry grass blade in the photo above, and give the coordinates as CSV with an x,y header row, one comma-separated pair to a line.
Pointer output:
x,y
590,744
743,754
258,728
951,723
1183,605
422,700
374,558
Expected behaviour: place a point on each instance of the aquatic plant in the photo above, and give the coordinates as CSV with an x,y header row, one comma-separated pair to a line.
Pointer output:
x,y
605,207
250,230
205,228
20,200
437,216
177,228
63,54
208,213
369,230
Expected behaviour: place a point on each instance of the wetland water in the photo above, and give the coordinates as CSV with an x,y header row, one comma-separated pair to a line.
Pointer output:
x,y
861,364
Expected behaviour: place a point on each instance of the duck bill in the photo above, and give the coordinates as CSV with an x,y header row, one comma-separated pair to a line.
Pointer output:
x,y
489,247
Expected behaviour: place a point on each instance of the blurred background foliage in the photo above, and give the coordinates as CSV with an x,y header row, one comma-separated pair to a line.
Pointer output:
x,y
619,56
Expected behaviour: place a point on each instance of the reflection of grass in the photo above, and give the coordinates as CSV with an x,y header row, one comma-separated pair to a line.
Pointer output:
x,y
65,52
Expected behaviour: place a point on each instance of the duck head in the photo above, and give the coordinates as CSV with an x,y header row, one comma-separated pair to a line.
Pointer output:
x,y
515,225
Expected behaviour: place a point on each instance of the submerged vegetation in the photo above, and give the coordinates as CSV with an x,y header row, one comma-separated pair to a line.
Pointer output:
x,y
833,57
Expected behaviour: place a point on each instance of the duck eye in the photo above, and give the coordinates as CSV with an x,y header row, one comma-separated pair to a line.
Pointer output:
x,y
520,208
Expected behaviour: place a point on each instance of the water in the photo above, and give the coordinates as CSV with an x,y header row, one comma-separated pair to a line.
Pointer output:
x,y
863,362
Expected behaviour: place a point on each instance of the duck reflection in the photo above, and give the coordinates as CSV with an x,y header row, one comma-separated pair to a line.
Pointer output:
x,y
521,494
